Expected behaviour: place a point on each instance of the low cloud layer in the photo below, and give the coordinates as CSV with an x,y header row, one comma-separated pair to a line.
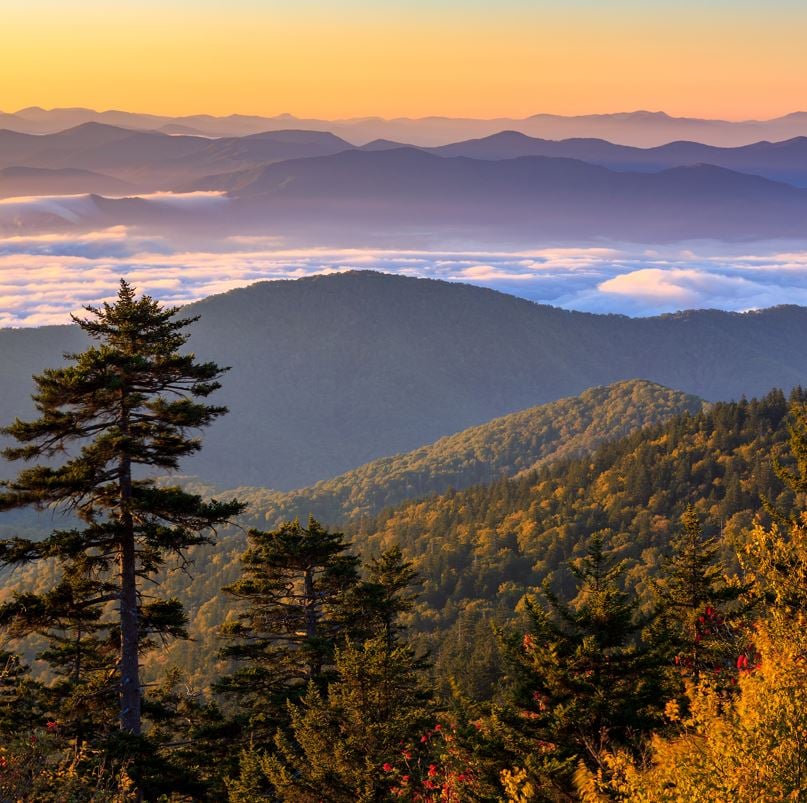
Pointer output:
x,y
43,278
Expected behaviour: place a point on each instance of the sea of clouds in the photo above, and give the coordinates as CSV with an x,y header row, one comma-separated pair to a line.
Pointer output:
x,y
45,277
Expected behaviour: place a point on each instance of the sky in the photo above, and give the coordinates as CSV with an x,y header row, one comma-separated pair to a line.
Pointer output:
x,y
730,59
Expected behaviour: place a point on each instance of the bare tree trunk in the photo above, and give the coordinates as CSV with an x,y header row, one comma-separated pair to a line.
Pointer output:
x,y
129,659
315,665
129,626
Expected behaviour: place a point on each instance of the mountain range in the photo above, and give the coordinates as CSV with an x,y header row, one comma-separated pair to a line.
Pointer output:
x,y
151,160
640,128
313,187
332,372
780,161
531,197
28,181
154,160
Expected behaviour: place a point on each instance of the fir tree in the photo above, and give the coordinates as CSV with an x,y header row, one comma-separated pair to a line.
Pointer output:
x,y
468,660
80,647
581,678
21,697
701,606
351,739
296,586
122,407
345,745
375,605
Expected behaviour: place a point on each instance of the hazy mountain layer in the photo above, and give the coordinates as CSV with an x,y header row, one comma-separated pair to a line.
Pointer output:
x,y
22,181
539,197
397,197
314,188
781,161
332,372
155,160
641,128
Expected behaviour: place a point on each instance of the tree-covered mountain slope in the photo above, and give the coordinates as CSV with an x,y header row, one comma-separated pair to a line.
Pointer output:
x,y
503,447
480,550
331,372
494,542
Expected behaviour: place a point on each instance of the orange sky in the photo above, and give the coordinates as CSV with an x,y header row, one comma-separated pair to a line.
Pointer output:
x,y
327,58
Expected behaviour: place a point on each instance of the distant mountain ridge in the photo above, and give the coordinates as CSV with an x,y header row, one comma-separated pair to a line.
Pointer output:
x,y
22,181
780,161
162,159
639,128
158,160
530,196
332,372
313,187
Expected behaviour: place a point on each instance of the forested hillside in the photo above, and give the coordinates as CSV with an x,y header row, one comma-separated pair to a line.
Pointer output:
x,y
329,373
482,556
480,550
494,541
501,448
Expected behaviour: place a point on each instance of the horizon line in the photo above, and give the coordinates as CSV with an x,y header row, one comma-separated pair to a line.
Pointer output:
x,y
266,116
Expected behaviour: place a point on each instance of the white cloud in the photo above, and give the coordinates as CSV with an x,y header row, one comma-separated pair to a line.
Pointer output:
x,y
44,277
683,286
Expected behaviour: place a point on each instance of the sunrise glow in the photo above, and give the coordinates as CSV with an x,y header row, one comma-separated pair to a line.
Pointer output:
x,y
323,59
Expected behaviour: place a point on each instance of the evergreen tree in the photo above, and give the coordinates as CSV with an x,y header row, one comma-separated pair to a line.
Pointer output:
x,y
701,606
195,734
80,648
344,745
378,602
582,677
21,697
353,739
118,409
296,587
468,659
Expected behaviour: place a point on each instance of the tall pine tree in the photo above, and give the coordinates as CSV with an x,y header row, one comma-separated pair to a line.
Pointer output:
x,y
122,407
